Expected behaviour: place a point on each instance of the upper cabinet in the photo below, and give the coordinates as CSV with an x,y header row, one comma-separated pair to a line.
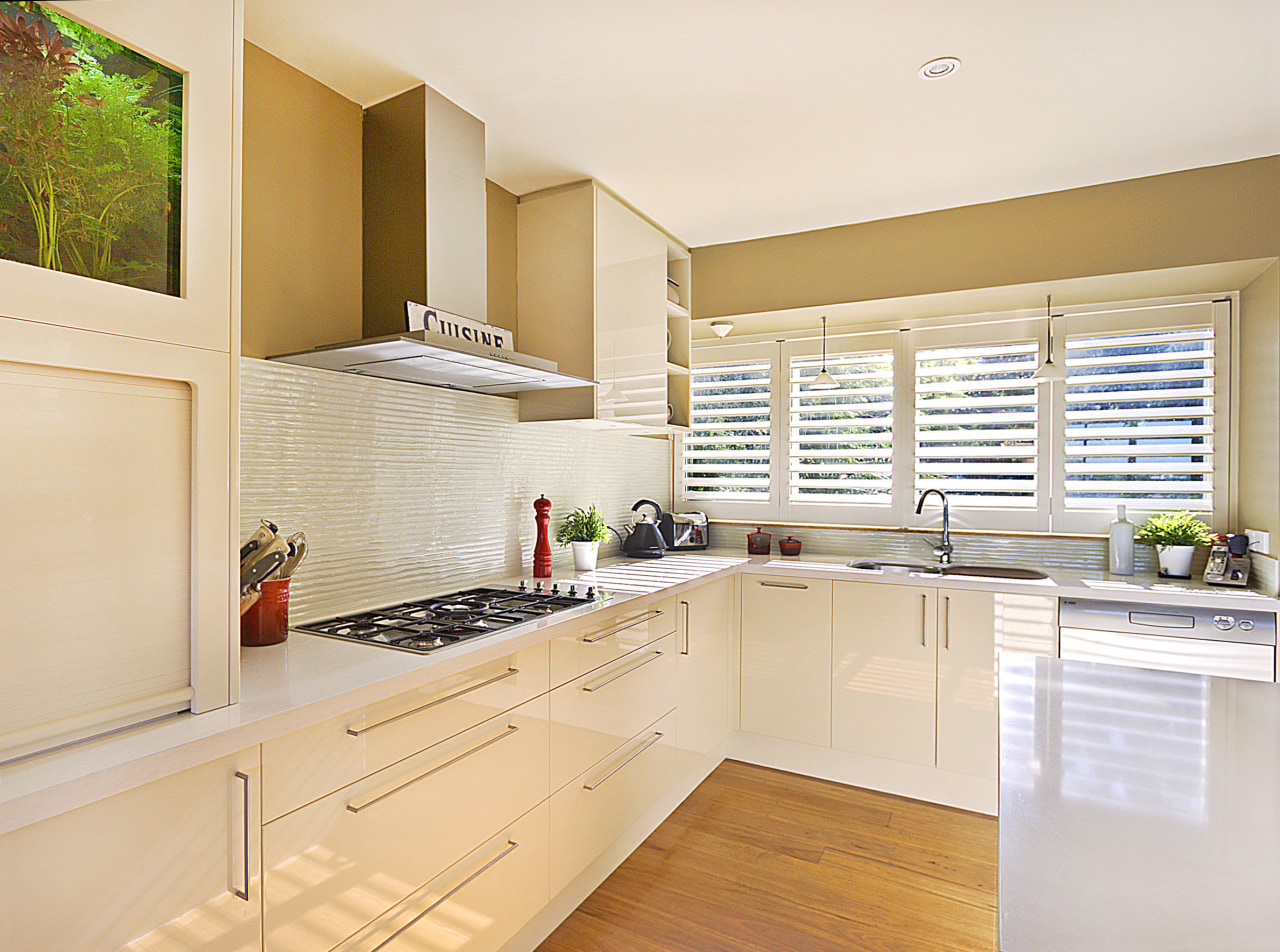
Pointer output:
x,y
593,296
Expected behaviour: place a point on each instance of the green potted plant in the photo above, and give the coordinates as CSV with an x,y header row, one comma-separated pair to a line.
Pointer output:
x,y
1175,536
584,529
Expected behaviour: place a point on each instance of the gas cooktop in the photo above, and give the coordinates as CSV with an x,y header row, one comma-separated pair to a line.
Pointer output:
x,y
430,623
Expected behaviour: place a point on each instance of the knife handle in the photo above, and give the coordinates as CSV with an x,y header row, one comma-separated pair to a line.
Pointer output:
x,y
249,599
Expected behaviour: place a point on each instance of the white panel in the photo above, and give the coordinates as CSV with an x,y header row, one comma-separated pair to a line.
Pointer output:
x,y
96,582
405,490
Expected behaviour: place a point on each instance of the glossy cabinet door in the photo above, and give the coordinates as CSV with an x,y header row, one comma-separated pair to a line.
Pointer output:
x,y
171,866
335,865
884,670
631,316
968,719
704,618
476,904
786,658
597,713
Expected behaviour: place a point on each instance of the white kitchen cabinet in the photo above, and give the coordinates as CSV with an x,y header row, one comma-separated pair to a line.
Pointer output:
x,y
590,812
913,675
476,904
595,714
704,620
171,866
592,297
315,760
884,670
610,635
786,658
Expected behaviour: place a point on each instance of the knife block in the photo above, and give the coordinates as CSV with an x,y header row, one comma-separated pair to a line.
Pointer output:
x,y
267,620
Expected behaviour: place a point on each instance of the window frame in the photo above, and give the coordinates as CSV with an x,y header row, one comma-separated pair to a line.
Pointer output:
x,y
905,339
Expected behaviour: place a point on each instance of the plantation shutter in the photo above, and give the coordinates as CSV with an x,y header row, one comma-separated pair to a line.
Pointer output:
x,y
726,452
976,423
1140,419
841,441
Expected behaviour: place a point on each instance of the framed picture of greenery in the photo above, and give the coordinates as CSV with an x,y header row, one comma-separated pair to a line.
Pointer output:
x,y
90,152
119,158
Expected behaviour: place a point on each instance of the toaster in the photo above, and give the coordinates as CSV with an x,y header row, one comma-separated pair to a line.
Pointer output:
x,y
683,531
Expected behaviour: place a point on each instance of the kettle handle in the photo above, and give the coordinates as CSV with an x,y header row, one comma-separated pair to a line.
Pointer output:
x,y
649,502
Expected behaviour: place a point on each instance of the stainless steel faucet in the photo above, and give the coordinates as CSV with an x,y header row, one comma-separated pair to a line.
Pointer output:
x,y
943,549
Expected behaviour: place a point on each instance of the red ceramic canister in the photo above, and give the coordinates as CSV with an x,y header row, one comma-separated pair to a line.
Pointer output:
x,y
267,620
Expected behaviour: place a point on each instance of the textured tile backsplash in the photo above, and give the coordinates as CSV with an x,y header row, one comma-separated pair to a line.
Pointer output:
x,y
405,490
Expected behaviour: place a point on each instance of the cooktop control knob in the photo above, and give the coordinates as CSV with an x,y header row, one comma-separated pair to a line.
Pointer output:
x,y
591,593
538,590
555,588
573,590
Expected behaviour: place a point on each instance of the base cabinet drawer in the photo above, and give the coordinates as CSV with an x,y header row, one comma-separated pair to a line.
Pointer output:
x,y
598,806
337,864
597,713
610,636
475,905
307,764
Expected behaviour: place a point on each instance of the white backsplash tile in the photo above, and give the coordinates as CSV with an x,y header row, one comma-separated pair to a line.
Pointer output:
x,y
405,490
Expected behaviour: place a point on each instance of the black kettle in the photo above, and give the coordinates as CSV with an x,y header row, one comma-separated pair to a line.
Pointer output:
x,y
644,541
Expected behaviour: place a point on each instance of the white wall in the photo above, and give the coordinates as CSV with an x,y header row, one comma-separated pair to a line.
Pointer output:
x,y
406,490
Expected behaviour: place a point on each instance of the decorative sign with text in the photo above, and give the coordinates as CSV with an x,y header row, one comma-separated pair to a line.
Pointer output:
x,y
423,318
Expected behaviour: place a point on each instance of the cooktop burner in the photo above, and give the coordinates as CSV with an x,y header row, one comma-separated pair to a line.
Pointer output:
x,y
430,623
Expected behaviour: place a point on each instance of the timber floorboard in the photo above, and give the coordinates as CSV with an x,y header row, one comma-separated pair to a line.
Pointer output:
x,y
761,860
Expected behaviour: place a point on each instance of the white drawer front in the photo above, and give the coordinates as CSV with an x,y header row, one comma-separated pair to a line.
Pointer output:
x,y
610,636
593,715
336,864
316,760
598,806
478,903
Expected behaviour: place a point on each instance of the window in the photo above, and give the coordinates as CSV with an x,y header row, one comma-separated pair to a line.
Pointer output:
x,y
726,453
951,405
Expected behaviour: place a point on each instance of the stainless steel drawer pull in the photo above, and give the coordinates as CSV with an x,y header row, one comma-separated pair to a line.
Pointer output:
x,y
639,664
428,706
685,649
946,622
657,736
244,893
782,585
511,845
357,807
924,621
631,624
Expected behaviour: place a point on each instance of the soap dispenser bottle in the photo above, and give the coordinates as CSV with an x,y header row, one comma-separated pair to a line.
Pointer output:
x,y
1121,544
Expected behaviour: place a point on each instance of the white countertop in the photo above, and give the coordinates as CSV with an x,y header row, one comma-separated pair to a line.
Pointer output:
x,y
310,678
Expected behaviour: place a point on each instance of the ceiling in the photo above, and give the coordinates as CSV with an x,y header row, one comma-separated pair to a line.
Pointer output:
x,y
730,120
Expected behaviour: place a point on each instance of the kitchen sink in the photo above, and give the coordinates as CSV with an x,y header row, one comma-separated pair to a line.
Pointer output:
x,y
970,571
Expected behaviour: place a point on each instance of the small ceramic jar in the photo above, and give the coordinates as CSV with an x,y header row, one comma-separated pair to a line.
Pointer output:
x,y
789,546
758,542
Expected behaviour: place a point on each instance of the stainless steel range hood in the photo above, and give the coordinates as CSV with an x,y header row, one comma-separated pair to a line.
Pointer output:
x,y
424,212
441,361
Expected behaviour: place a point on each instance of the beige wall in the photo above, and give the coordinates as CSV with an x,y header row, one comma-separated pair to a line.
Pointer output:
x,y
1259,468
301,211
1201,216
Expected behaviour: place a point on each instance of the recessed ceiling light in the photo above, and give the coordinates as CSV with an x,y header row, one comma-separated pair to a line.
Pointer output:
x,y
940,67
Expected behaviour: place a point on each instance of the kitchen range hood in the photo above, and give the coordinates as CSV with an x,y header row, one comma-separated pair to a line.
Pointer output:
x,y
439,360
424,214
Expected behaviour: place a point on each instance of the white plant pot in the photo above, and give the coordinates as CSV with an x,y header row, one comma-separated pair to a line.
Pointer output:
x,y
1175,560
584,556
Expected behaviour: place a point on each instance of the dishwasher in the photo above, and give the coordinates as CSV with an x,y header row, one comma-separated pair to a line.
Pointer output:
x,y
1227,643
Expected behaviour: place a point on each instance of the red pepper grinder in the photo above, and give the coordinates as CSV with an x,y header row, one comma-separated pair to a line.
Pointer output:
x,y
542,548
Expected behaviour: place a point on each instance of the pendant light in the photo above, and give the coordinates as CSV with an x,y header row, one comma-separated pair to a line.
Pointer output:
x,y
1049,370
824,380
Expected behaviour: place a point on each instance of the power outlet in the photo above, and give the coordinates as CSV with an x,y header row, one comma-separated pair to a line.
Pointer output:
x,y
1259,542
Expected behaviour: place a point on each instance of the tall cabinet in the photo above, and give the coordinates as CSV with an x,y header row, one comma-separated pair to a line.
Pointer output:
x,y
593,277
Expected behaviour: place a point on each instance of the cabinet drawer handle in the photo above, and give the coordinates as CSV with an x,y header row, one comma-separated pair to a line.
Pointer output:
x,y
244,893
685,649
639,664
657,736
511,845
924,620
630,624
357,807
428,706
946,622
782,585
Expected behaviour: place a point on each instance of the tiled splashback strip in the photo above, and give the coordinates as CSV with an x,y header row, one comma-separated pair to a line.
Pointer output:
x,y
406,490
1046,553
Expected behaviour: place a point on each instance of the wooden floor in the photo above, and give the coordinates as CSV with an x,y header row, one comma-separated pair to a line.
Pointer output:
x,y
765,861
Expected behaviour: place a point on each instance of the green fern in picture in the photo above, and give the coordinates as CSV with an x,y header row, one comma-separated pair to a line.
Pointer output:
x,y
582,525
1173,528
